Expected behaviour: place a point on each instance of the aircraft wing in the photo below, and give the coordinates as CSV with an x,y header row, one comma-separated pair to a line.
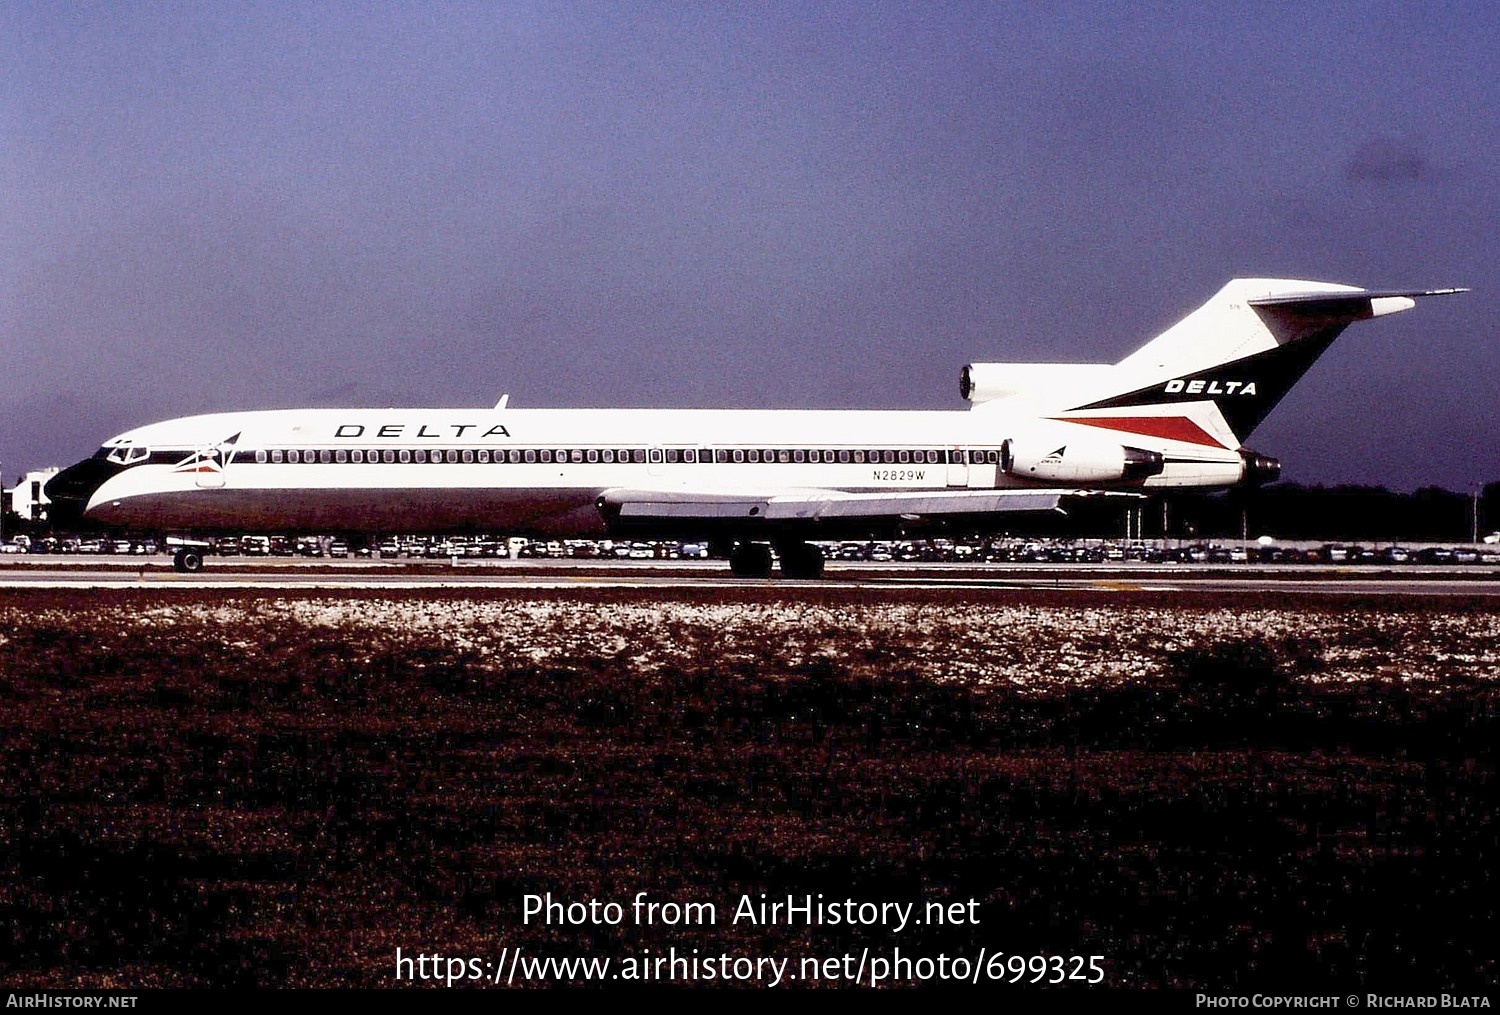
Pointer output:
x,y
814,513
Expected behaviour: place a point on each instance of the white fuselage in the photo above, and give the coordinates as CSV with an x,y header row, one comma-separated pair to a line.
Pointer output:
x,y
385,470
1173,414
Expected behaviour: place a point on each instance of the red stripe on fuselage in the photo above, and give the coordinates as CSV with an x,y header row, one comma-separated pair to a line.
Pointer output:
x,y
1172,428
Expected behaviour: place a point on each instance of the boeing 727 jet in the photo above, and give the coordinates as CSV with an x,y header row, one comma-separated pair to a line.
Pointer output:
x,y
1172,415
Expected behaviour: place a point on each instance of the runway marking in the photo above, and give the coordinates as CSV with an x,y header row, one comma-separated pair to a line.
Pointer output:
x,y
1344,581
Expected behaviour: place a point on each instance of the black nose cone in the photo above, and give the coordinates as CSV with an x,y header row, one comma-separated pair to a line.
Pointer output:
x,y
71,489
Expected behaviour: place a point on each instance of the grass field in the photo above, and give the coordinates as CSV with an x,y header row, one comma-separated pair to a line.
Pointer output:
x,y
226,789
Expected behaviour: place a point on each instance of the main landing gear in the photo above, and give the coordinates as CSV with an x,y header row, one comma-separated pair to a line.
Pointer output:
x,y
798,560
187,560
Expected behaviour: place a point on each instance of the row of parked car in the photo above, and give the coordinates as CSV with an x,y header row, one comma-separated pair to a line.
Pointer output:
x,y
1099,552
907,551
393,546
73,544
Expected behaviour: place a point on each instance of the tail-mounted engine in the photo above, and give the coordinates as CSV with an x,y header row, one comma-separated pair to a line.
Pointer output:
x,y
1078,462
1259,469
992,382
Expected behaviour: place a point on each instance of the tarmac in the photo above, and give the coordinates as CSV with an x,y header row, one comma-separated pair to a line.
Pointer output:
x,y
155,573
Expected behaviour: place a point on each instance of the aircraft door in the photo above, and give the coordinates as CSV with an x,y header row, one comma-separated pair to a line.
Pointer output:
x,y
958,467
983,466
209,473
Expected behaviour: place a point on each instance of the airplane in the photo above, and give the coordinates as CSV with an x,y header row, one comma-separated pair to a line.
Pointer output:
x,y
1172,415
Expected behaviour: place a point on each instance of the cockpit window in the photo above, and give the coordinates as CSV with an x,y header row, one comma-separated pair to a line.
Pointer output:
x,y
128,454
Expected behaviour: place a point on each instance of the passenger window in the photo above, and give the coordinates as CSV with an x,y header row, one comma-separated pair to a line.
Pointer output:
x,y
638,455
468,457
889,457
530,456
754,455
513,456
324,457
799,456
592,454
276,457
843,457
904,457
859,458
690,456
739,454
341,456
484,458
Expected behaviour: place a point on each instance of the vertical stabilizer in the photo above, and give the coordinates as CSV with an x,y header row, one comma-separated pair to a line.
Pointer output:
x,y
1244,349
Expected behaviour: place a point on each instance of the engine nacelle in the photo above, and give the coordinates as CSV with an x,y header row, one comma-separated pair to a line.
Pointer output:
x,y
989,382
1259,468
1078,462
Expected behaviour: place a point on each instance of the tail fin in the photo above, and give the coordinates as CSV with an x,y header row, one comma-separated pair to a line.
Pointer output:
x,y
1245,348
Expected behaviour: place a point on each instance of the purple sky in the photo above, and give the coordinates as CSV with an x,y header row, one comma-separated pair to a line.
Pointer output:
x,y
209,207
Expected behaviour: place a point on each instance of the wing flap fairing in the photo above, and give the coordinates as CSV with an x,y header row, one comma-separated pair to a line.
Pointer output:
x,y
815,512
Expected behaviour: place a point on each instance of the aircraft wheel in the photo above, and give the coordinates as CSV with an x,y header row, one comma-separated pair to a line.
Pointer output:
x,y
802,560
750,560
187,561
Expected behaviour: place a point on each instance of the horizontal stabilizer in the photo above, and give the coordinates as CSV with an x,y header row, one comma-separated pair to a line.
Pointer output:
x,y
1354,297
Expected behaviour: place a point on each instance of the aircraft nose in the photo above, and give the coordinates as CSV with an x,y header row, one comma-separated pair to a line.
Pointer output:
x,y
72,488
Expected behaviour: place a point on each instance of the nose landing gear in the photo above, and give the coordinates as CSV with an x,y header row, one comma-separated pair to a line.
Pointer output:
x,y
187,560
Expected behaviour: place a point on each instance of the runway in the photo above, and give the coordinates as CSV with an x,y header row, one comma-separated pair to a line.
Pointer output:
x,y
288,574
